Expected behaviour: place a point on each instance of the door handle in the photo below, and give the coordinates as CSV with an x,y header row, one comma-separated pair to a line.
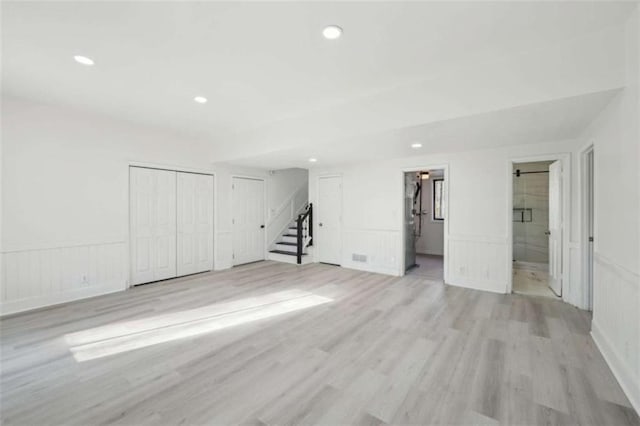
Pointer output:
x,y
320,224
261,226
547,232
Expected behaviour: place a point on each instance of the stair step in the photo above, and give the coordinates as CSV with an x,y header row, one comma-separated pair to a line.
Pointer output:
x,y
290,253
287,243
289,239
287,258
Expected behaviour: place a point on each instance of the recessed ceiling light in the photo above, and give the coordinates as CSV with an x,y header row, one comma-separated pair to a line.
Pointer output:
x,y
332,32
83,60
313,160
200,99
416,145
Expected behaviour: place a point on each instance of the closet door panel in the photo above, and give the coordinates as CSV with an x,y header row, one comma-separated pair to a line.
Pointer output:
x,y
165,230
195,223
142,189
204,223
152,224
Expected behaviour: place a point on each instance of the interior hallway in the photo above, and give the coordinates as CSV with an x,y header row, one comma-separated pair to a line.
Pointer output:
x,y
273,343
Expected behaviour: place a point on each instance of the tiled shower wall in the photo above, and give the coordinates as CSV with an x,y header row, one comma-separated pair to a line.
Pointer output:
x,y
531,191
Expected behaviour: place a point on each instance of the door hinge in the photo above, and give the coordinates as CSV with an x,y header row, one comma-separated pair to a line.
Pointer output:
x,y
233,255
590,239
233,221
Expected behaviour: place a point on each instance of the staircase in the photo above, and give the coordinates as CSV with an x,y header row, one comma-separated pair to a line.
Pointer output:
x,y
295,244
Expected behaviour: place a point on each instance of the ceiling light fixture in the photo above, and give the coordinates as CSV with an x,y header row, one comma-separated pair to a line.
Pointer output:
x,y
332,32
313,160
416,145
425,175
200,99
83,60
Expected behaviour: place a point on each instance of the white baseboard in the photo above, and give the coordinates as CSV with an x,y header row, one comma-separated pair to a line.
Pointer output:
x,y
22,305
366,267
620,370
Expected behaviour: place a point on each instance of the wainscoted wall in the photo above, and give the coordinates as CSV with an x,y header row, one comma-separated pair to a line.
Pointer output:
x,y
477,262
573,290
39,277
223,250
616,322
380,246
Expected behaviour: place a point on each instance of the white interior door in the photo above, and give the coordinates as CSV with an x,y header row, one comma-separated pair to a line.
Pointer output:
x,y
195,223
152,224
555,227
248,220
329,217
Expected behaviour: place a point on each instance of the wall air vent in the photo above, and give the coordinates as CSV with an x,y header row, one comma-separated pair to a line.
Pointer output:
x,y
359,257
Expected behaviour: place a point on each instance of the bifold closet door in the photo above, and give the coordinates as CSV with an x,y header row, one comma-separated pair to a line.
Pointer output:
x,y
195,223
152,224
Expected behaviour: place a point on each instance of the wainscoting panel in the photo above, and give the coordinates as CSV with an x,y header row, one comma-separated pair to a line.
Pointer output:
x,y
477,262
616,322
41,277
223,250
574,289
374,250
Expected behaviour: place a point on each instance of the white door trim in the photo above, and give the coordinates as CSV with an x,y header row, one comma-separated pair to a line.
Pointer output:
x,y
587,290
445,168
565,160
264,213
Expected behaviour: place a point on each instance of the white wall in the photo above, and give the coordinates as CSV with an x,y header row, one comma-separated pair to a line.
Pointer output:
x,y
431,239
478,213
65,200
616,300
283,183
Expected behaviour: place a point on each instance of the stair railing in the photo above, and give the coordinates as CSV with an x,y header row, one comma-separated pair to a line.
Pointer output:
x,y
304,225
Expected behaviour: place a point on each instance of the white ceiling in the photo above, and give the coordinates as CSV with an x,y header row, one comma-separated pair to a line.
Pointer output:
x,y
557,120
263,63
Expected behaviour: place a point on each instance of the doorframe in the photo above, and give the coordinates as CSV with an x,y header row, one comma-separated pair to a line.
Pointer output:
x,y
445,249
587,290
171,168
264,213
316,253
565,160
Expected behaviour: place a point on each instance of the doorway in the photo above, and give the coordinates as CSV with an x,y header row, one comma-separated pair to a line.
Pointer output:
x,y
537,228
248,209
424,223
329,218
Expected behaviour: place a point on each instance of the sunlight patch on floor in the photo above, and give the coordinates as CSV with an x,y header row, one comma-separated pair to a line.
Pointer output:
x,y
130,335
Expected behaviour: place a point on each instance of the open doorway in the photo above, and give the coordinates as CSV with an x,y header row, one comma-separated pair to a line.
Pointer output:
x,y
424,222
537,228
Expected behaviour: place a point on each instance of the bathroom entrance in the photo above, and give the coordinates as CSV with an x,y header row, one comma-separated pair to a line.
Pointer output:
x,y
537,228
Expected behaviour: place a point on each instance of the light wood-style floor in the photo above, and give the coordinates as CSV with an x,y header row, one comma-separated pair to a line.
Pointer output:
x,y
532,279
272,343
